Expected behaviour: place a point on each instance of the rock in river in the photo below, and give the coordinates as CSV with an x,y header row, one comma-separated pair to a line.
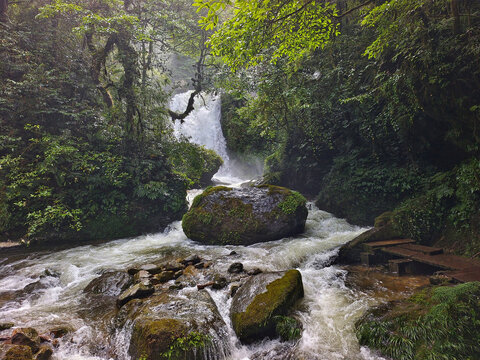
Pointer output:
x,y
223,215
260,300
174,326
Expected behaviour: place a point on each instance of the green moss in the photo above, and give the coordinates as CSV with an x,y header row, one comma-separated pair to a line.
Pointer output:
x,y
292,203
151,339
208,191
436,323
258,317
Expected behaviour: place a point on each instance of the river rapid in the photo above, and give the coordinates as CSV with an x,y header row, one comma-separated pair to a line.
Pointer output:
x,y
44,289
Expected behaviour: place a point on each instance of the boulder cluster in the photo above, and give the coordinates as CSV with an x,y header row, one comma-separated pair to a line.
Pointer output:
x,y
27,343
172,315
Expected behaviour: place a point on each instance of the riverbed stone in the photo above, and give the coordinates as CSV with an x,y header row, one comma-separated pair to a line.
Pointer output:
x,y
163,277
235,268
260,299
137,291
178,325
15,352
6,325
26,336
223,215
141,275
44,353
111,283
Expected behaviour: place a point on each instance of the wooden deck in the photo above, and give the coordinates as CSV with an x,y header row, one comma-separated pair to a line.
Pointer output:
x,y
459,268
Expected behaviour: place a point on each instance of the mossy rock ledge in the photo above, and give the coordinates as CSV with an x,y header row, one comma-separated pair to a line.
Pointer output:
x,y
173,326
223,215
260,300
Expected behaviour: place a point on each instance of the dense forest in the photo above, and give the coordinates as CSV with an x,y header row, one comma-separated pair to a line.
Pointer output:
x,y
364,113
365,106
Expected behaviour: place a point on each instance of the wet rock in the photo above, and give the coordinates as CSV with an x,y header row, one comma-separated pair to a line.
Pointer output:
x,y
5,326
235,268
111,283
132,271
137,291
200,265
44,353
439,279
163,277
173,266
177,274
234,288
15,352
254,271
233,253
26,336
260,299
219,282
151,268
222,215
60,331
164,321
190,270
191,260
141,275
51,273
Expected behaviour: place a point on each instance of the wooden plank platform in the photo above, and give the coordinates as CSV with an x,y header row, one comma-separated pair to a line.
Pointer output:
x,y
401,252
387,243
465,275
427,250
426,258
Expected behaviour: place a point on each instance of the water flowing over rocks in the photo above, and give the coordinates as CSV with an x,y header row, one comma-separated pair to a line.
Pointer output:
x,y
223,215
260,299
111,283
177,325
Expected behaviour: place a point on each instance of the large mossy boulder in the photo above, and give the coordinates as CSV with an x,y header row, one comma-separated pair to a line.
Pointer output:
x,y
223,215
261,300
173,326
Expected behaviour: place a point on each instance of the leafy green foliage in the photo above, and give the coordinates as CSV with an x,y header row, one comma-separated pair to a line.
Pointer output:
x,y
445,324
187,344
287,328
261,30
451,200
197,163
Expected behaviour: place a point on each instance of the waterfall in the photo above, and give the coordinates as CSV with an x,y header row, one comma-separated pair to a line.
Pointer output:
x,y
203,127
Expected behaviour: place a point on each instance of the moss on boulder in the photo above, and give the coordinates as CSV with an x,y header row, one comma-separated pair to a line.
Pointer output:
x,y
259,302
173,326
223,215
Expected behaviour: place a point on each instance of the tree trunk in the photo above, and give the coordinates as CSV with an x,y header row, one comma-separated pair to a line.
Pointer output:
x,y
128,59
3,10
456,17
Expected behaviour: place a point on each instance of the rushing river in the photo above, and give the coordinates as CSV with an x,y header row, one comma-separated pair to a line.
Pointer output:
x,y
45,289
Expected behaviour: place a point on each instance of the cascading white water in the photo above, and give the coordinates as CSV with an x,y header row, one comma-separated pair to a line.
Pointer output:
x,y
29,296
203,127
